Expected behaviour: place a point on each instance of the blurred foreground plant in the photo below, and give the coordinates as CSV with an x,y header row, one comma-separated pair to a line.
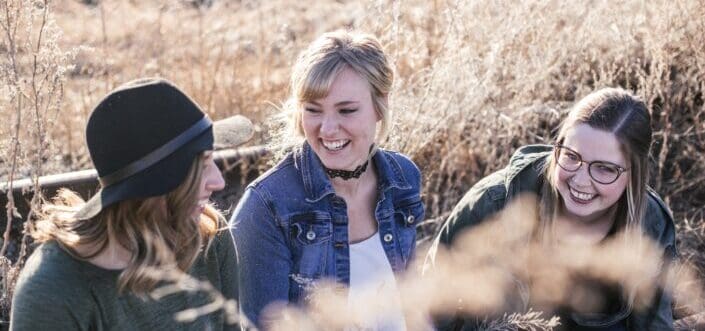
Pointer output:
x,y
497,276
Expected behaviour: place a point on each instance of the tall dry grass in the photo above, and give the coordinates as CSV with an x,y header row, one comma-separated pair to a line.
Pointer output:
x,y
32,72
475,79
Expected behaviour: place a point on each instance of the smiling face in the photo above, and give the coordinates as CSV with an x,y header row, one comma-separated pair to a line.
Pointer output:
x,y
341,126
211,181
584,198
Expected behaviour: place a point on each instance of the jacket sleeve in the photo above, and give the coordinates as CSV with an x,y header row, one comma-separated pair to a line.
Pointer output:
x,y
659,225
265,259
484,199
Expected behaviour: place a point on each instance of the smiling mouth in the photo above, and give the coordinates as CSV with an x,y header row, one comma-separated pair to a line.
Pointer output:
x,y
581,197
335,145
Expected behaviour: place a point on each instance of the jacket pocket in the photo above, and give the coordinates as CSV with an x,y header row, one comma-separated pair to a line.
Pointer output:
x,y
310,236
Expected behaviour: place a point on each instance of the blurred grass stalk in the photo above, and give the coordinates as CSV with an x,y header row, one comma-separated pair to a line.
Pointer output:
x,y
498,267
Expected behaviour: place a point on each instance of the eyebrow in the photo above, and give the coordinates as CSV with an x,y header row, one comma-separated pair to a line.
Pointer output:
x,y
337,104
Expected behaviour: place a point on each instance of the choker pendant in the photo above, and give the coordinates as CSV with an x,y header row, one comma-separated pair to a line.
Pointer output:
x,y
348,174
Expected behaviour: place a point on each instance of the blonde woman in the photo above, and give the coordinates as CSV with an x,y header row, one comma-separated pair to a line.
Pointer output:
x,y
592,185
94,270
337,207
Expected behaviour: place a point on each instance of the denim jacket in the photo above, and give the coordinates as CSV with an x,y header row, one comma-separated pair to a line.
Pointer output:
x,y
291,229
523,174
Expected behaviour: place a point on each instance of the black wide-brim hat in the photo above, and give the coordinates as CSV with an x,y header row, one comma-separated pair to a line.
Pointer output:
x,y
143,138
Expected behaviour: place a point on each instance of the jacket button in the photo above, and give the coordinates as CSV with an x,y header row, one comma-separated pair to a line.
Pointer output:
x,y
388,237
410,219
310,235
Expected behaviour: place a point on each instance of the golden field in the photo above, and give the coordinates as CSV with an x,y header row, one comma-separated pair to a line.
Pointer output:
x,y
474,79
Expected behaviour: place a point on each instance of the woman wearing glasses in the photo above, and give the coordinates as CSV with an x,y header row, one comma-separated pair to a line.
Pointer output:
x,y
591,185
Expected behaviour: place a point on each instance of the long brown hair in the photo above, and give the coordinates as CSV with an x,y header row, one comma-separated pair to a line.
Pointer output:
x,y
626,116
158,231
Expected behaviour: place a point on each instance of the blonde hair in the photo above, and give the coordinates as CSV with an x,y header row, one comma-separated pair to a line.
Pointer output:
x,y
317,67
626,116
158,231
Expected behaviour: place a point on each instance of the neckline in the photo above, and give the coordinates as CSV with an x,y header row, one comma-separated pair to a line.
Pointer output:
x,y
365,241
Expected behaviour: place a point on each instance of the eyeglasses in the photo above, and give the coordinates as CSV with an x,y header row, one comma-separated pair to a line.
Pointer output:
x,y
602,172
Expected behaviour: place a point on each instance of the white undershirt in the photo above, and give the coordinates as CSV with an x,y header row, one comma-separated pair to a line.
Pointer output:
x,y
371,274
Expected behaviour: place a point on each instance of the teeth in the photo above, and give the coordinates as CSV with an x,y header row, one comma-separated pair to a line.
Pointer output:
x,y
580,195
334,145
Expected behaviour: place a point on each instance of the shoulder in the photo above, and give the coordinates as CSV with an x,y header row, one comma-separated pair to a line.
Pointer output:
x,y
50,266
489,195
658,220
528,161
525,165
485,198
531,152
402,164
283,180
222,244
284,171
402,159
52,281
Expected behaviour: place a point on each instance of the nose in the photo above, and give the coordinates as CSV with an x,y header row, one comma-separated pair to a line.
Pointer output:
x,y
329,125
214,179
581,176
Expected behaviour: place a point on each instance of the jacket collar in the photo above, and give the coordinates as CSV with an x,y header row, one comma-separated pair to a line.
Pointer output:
x,y
317,185
390,173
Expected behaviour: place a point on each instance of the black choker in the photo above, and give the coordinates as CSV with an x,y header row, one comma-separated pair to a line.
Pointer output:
x,y
347,174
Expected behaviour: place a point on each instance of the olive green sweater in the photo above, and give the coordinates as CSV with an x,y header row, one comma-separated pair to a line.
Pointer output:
x,y
58,292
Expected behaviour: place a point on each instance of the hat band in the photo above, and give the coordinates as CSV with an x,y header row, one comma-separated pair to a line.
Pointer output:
x,y
158,154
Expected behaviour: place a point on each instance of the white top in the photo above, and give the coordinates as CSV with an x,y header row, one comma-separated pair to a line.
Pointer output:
x,y
371,277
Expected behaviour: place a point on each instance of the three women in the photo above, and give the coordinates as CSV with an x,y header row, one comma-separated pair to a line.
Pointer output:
x,y
336,207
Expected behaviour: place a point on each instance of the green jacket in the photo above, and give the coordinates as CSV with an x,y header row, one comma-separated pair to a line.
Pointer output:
x,y
524,175
58,292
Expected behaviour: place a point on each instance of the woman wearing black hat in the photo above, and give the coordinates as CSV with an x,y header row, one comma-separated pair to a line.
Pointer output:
x,y
152,147
337,207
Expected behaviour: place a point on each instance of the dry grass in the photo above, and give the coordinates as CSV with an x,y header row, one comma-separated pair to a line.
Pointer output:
x,y
474,81
32,71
